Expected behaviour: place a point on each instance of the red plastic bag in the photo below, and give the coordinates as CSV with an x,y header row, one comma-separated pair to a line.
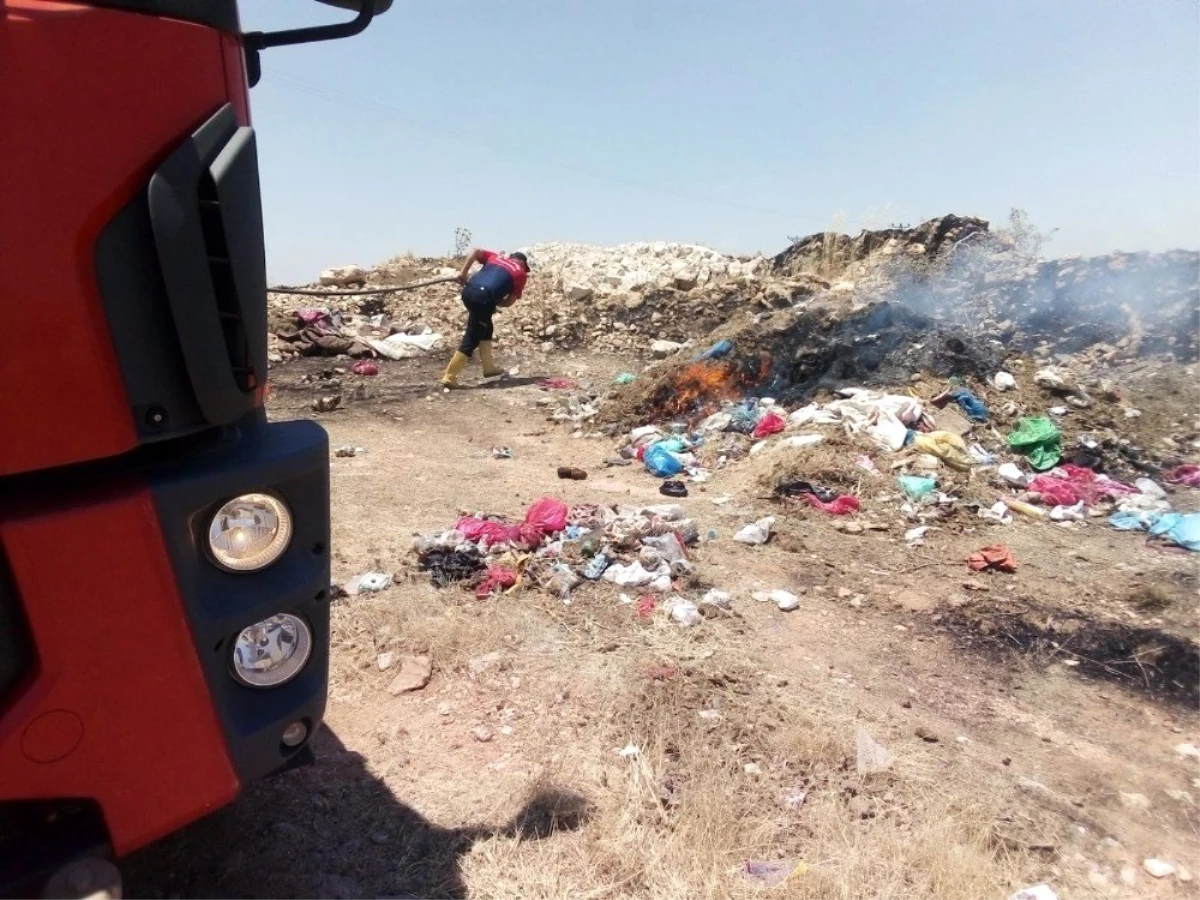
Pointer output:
x,y
771,423
497,577
996,557
1186,475
547,516
645,606
839,506
489,532
364,367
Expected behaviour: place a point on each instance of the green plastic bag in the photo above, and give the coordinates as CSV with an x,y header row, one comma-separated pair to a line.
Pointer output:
x,y
625,378
916,487
1040,440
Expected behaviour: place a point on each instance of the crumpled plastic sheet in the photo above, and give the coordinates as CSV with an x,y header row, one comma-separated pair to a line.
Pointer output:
x,y
1068,485
997,557
498,578
840,506
1187,475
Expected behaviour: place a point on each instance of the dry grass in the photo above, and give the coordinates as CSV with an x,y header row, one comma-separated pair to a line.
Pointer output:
x,y
683,817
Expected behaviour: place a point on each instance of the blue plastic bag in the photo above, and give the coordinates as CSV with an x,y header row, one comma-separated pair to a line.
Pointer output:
x,y
975,408
716,351
661,462
1128,520
1180,529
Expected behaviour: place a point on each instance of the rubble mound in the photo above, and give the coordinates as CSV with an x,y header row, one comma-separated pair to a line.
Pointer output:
x,y
830,251
582,271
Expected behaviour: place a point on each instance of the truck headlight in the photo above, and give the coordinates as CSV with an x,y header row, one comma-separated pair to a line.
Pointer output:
x,y
272,652
250,532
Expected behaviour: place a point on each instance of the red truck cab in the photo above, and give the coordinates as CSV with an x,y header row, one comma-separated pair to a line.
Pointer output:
x,y
164,550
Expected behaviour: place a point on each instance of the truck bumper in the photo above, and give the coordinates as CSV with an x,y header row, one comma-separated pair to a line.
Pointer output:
x,y
128,703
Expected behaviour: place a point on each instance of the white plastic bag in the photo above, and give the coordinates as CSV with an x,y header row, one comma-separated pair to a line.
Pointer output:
x,y
756,533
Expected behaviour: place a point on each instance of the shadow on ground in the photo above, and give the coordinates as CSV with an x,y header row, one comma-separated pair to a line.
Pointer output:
x,y
332,829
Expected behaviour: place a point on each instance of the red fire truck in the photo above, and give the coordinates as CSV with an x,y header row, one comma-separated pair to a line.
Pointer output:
x,y
164,551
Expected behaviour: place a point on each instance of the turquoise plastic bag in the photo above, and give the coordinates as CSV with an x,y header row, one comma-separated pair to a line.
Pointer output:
x,y
917,486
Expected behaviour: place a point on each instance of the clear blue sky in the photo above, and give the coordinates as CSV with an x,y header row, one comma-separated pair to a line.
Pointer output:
x,y
732,123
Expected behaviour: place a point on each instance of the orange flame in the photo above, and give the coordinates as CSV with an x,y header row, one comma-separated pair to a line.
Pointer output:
x,y
700,386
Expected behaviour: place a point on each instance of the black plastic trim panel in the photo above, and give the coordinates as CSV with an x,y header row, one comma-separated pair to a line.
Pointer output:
x,y
222,14
16,642
290,459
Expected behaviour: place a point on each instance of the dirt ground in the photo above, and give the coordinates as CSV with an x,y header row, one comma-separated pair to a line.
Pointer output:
x,y
1037,720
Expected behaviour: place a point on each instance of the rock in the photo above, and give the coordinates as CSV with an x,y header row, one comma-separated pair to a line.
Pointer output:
x,y
386,660
927,734
872,757
753,769
579,292
414,674
1129,876
477,665
1134,801
1158,868
662,349
343,276
686,280
481,733
1188,750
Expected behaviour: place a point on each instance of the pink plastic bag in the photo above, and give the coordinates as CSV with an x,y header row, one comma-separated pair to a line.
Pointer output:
x,y
1186,475
771,423
489,532
364,367
839,506
547,516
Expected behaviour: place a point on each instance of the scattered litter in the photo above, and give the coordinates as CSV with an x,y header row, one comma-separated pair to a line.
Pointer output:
x,y
685,613
1041,891
772,874
975,408
1025,509
365,367
1189,476
1073,513
997,557
1038,439
716,351
625,378
629,751
447,566
556,384
646,604
950,448
403,346
572,472
368,583
673,489
771,423
917,487
784,600
1003,381
873,757
719,599
867,464
1012,473
498,579
349,451
839,506
596,567
916,536
756,533
661,462
998,513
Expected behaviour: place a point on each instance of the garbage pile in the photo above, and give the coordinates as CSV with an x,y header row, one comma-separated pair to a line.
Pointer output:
x,y
556,549
946,452
310,331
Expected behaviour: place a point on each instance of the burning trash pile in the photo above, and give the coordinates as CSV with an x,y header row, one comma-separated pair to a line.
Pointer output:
x,y
556,549
1031,471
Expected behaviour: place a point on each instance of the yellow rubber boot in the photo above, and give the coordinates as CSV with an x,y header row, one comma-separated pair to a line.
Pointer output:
x,y
458,362
490,369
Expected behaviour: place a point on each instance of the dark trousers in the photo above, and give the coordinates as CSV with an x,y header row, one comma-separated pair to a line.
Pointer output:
x,y
480,304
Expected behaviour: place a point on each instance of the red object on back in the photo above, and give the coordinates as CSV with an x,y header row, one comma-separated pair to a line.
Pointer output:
x,y
91,133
